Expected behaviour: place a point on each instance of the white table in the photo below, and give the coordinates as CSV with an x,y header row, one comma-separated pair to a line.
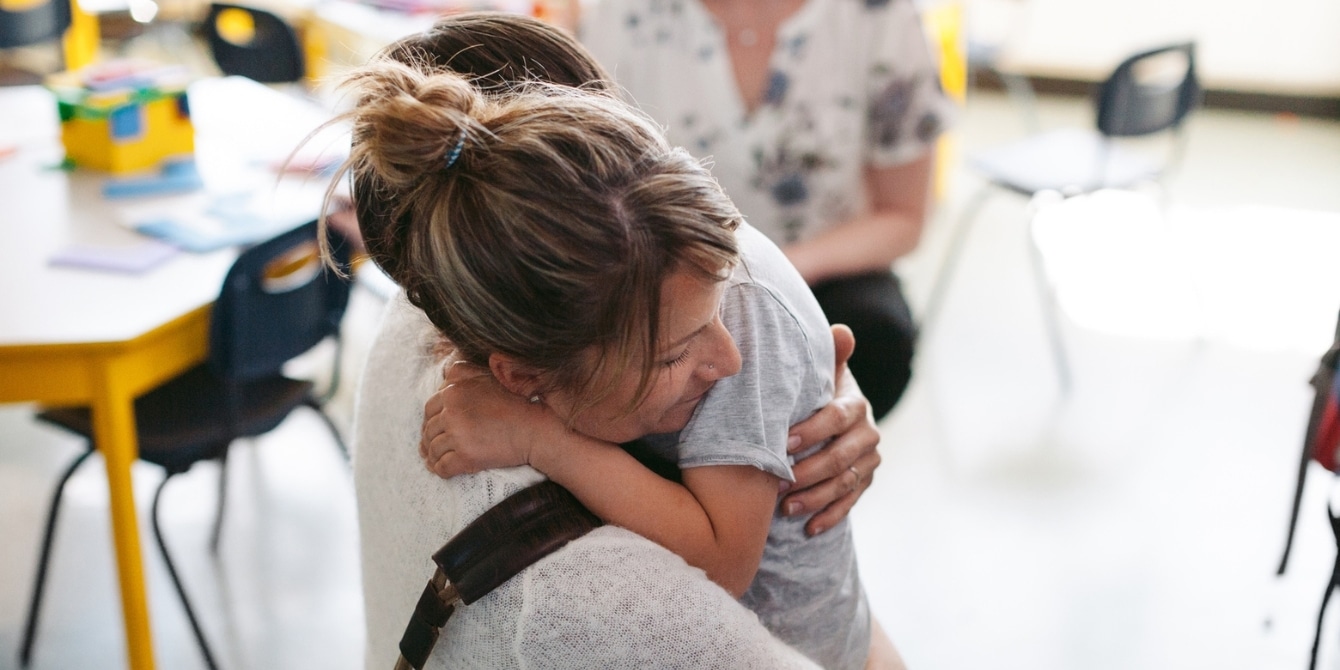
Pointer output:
x,y
76,336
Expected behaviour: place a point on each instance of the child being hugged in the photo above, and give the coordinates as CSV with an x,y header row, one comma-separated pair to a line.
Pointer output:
x,y
732,452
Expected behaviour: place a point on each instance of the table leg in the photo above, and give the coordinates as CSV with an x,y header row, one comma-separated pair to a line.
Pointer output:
x,y
114,433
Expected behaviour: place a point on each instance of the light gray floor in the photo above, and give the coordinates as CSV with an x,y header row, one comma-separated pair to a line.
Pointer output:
x,y
1134,523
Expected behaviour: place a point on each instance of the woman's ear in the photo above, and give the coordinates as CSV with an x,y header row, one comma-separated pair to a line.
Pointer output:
x,y
515,376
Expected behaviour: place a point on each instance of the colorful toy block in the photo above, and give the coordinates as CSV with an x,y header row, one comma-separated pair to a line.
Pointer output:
x,y
122,117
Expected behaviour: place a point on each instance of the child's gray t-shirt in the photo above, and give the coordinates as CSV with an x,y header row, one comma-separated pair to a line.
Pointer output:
x,y
807,590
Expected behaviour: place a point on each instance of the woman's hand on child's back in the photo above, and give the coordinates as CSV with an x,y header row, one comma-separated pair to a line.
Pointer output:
x,y
829,482
472,424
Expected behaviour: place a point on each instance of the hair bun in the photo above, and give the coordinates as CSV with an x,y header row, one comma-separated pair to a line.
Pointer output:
x,y
408,123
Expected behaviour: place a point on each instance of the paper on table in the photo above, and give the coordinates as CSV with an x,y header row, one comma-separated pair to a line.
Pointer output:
x,y
201,223
175,177
132,259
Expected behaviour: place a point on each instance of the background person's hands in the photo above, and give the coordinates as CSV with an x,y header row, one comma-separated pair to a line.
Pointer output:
x,y
342,218
829,482
472,423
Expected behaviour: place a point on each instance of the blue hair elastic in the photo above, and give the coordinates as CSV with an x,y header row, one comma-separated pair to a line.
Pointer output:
x,y
455,152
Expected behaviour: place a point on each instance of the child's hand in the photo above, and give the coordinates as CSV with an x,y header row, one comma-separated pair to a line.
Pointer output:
x,y
475,424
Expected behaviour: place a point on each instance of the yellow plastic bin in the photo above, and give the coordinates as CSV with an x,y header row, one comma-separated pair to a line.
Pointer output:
x,y
126,129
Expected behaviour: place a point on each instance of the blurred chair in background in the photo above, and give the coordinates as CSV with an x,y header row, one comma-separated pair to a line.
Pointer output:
x,y
33,23
277,302
1149,93
24,24
993,25
254,43
1321,443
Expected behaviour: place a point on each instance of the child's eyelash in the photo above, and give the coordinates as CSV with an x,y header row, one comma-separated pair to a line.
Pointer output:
x,y
678,360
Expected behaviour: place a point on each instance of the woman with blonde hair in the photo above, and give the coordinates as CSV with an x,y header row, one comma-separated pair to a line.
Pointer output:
x,y
580,265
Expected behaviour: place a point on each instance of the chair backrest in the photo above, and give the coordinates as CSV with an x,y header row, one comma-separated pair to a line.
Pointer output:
x,y
267,50
278,301
1149,92
40,23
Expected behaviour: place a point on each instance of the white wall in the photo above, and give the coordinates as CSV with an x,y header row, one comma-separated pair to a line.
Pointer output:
x,y
1269,46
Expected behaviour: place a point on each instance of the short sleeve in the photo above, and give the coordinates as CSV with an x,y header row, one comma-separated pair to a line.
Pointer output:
x,y
907,108
745,418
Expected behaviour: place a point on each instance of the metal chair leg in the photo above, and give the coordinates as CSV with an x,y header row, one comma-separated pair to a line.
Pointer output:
x,y
176,581
1313,425
30,627
1020,89
1047,296
1330,588
217,533
947,266
1293,513
336,366
334,431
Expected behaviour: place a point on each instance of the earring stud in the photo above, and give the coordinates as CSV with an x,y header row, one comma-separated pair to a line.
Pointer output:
x,y
535,399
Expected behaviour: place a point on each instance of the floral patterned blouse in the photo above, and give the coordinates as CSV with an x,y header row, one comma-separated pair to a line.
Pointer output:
x,y
853,83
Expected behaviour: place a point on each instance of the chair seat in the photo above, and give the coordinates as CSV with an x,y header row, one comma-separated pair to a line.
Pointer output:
x,y
184,421
1071,160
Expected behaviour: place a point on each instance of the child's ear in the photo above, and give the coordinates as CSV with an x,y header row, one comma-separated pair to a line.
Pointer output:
x,y
515,376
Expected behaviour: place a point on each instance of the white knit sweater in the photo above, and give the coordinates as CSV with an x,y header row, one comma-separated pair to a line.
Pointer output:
x,y
611,599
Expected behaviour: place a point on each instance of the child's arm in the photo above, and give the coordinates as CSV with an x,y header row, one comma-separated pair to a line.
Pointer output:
x,y
717,520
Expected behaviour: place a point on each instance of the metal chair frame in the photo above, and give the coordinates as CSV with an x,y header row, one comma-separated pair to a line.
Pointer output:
x,y
1125,107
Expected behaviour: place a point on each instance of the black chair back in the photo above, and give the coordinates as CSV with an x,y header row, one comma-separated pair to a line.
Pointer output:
x,y
278,301
1142,97
42,23
273,55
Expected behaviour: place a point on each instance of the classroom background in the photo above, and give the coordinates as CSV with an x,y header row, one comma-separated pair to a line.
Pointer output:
x,y
1095,465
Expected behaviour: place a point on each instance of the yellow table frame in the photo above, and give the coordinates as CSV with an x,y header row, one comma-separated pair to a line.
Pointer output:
x,y
108,376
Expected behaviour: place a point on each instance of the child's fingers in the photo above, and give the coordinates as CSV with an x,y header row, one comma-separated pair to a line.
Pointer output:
x,y
426,437
453,463
435,404
434,418
457,377
434,411
432,448
445,465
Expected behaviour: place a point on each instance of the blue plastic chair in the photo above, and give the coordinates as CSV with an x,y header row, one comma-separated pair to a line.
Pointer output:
x,y
273,55
34,25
